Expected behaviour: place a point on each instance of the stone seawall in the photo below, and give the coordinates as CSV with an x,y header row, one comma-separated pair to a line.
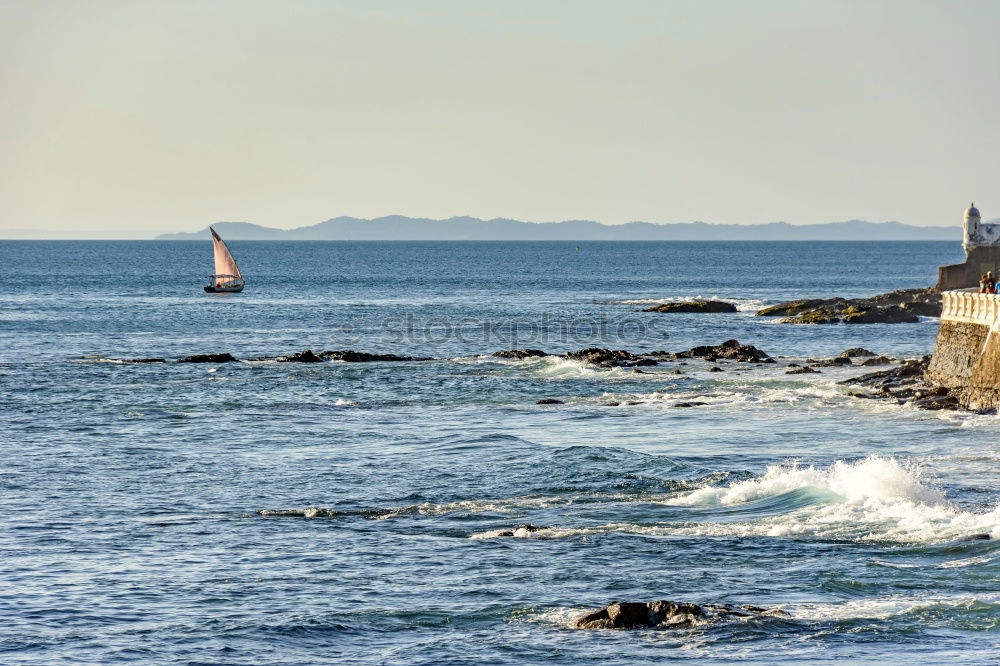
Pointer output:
x,y
967,353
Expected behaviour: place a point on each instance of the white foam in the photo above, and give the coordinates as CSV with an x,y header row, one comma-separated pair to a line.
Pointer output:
x,y
875,477
885,608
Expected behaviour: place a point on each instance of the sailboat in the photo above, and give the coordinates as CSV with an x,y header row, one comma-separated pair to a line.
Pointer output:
x,y
227,276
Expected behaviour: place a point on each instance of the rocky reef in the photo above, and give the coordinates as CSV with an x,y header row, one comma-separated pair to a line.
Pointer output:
x,y
908,384
693,306
609,358
900,306
663,614
731,350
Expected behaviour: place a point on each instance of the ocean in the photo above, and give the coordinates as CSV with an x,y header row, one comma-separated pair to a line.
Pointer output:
x,y
133,494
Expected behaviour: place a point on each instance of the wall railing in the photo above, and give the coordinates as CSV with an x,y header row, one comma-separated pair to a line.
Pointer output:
x,y
971,307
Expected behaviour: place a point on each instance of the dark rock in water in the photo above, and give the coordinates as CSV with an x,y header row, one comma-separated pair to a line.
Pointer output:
x,y
639,372
549,401
306,356
136,360
910,371
833,362
901,306
689,404
906,383
878,360
317,512
351,356
676,372
520,530
694,306
519,353
209,358
855,352
730,350
609,358
665,615
715,368
802,370
975,537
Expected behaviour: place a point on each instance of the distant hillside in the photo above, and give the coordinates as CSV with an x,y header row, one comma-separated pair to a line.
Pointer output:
x,y
398,227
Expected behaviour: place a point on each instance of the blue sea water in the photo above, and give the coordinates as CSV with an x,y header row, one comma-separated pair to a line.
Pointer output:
x,y
131,494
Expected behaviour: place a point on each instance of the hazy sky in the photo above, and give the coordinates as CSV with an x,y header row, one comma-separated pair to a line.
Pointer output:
x,y
130,118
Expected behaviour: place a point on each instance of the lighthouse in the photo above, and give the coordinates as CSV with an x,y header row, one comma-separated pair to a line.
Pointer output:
x,y
981,243
973,220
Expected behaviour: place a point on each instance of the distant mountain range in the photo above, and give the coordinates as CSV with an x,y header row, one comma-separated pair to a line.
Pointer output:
x,y
398,227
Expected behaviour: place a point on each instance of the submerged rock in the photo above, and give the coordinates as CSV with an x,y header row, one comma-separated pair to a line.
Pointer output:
x,y
351,356
549,401
609,358
665,615
306,356
689,404
693,306
730,349
802,370
519,531
209,358
519,353
133,360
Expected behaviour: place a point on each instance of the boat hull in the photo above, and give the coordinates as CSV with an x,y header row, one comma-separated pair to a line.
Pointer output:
x,y
223,290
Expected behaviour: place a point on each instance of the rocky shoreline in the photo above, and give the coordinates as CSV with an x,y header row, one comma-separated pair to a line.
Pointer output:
x,y
906,384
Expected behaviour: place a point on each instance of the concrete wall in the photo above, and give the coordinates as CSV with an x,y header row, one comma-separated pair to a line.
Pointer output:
x,y
967,352
961,276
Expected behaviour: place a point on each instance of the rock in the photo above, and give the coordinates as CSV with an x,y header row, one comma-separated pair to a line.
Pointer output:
x,y
975,537
715,368
134,360
549,401
639,372
689,404
520,531
790,308
802,370
855,352
901,306
694,306
878,360
519,353
306,356
609,358
910,371
832,362
209,358
665,615
906,385
730,350
351,356
675,372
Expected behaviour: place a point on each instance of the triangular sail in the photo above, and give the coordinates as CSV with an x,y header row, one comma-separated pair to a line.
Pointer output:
x,y
224,262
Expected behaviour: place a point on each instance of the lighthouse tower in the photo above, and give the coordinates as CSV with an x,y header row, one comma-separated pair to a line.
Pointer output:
x,y
972,228
981,242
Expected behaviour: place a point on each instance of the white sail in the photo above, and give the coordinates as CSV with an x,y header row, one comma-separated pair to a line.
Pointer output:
x,y
224,262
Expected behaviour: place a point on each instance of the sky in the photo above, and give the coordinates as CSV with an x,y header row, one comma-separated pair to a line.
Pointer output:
x,y
129,118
